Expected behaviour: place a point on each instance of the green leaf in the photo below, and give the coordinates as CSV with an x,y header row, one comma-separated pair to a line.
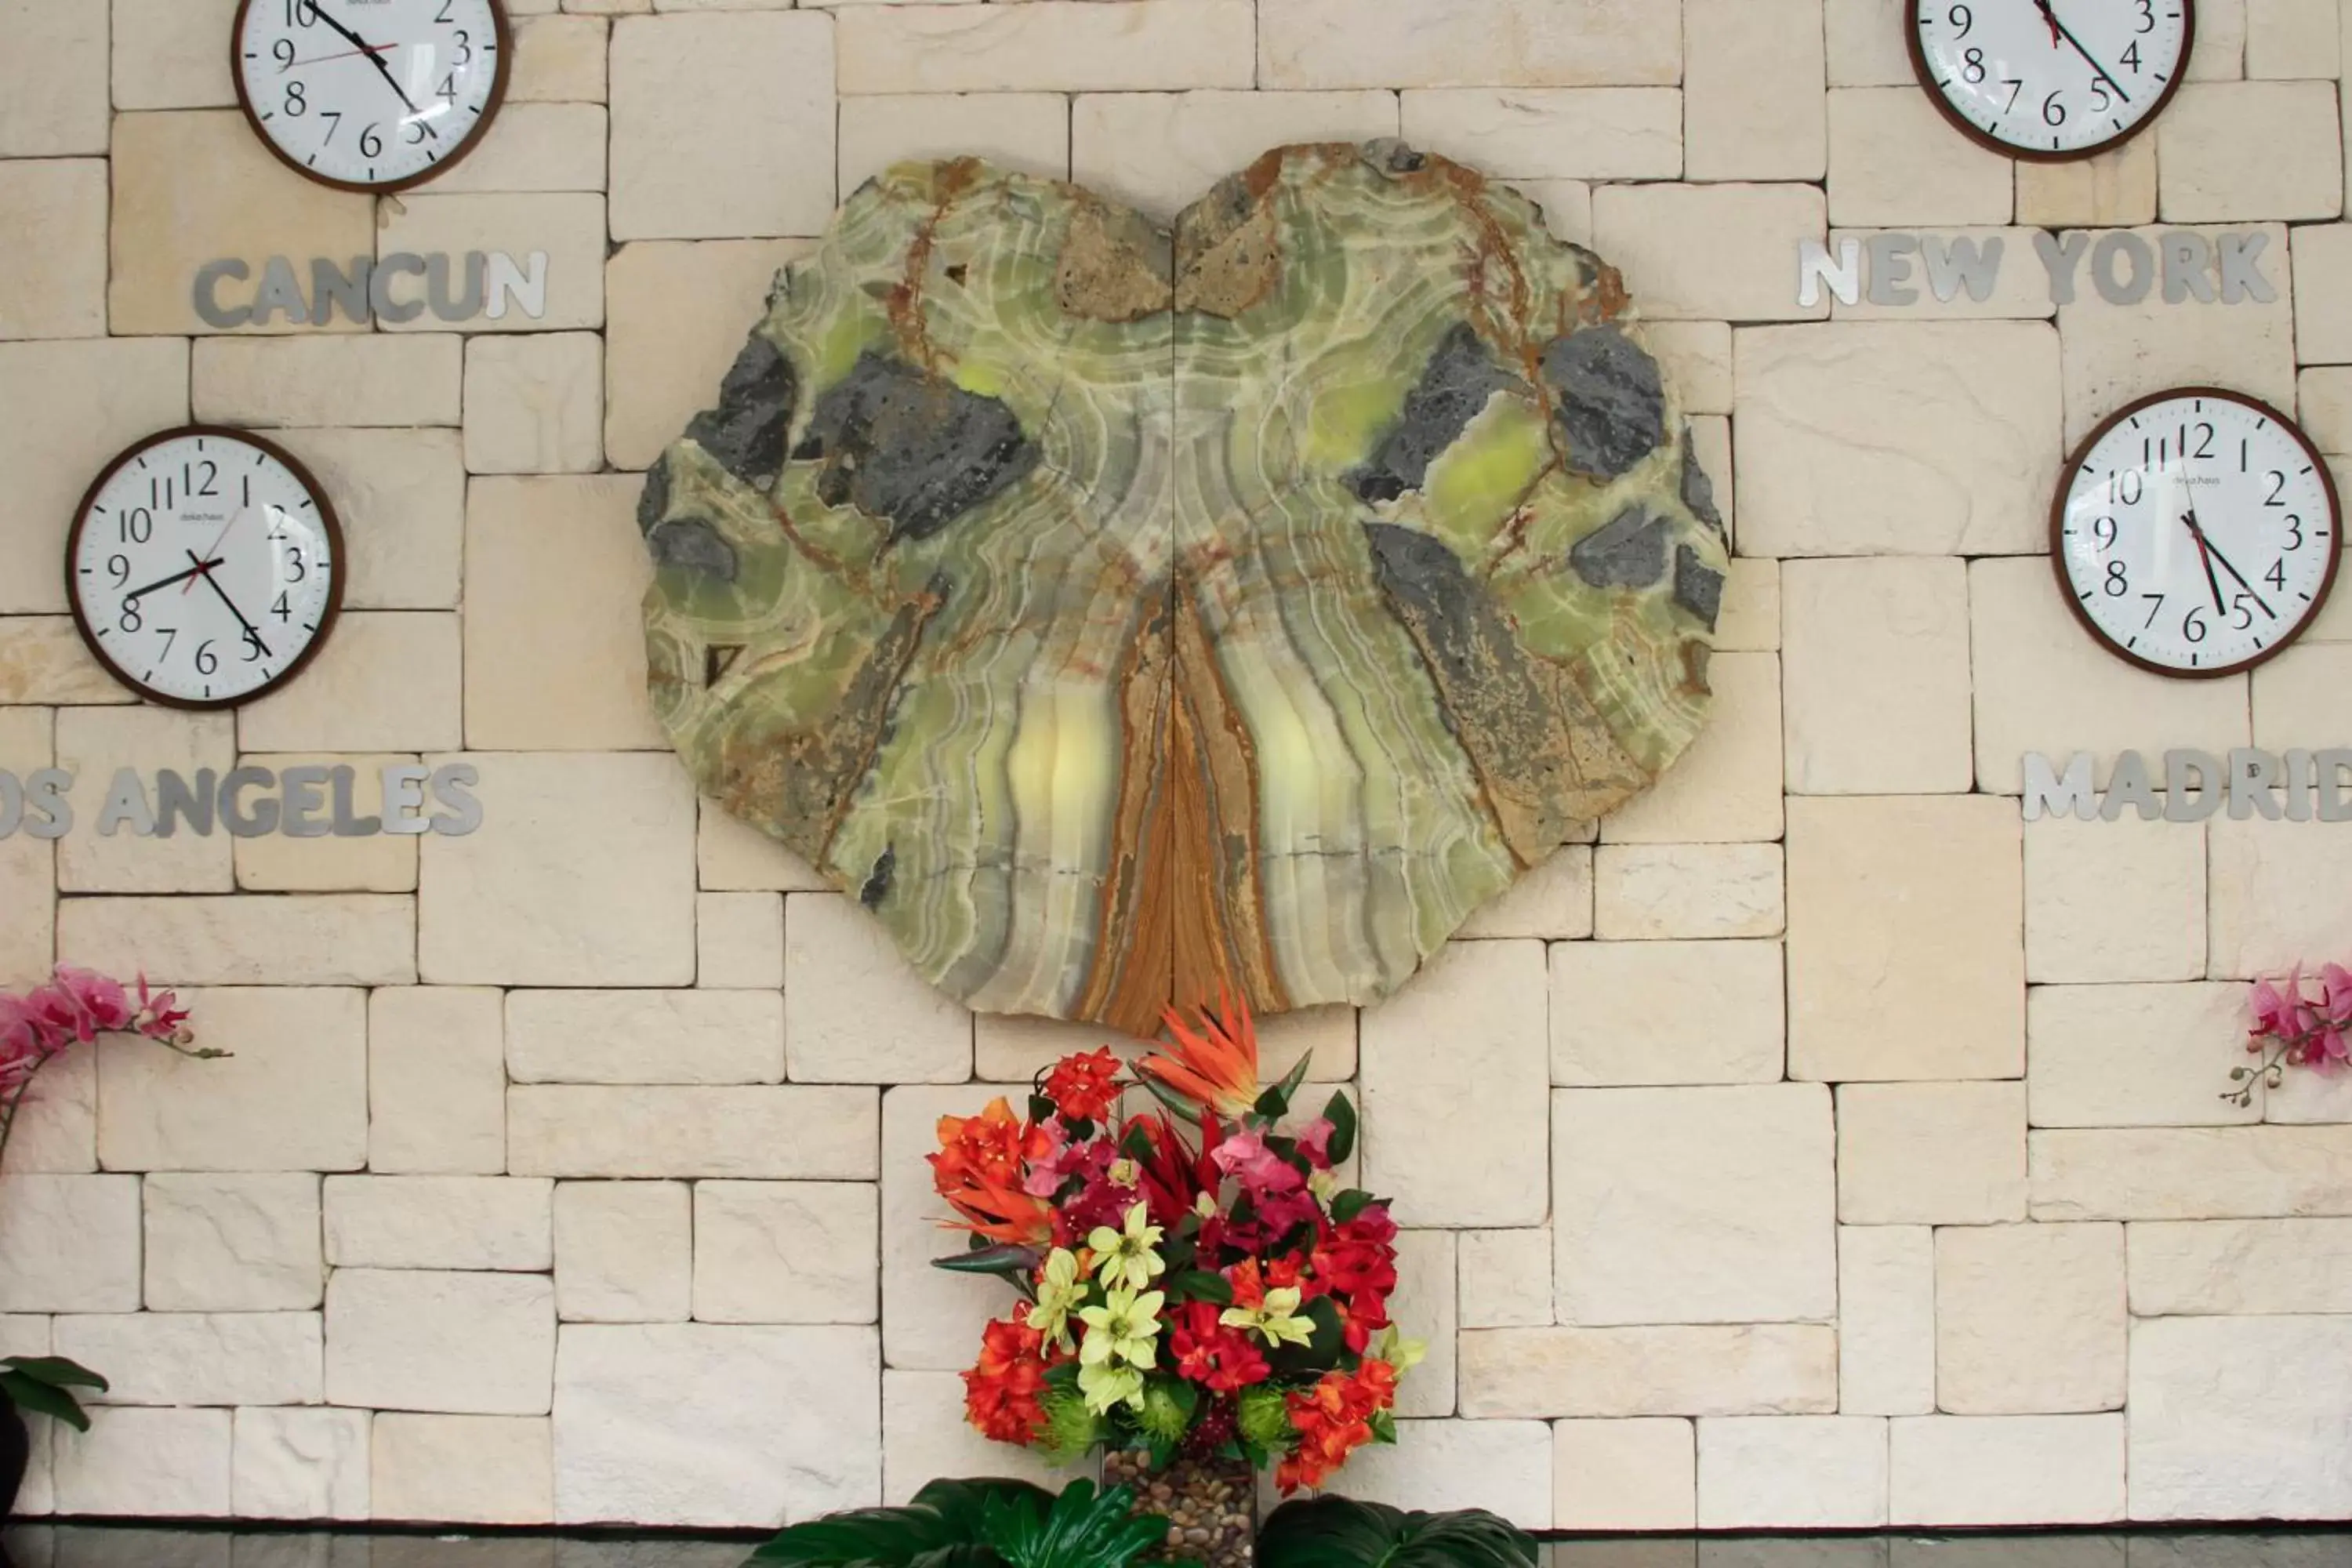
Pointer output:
x,y
940,1528
1341,1114
56,1370
1041,1108
38,1398
1081,1530
1350,1204
1186,1111
1199,1285
1276,1101
1339,1532
1011,1262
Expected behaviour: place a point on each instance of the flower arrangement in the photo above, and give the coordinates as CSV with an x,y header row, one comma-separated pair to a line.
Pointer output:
x,y
1195,1280
74,1008
2298,1021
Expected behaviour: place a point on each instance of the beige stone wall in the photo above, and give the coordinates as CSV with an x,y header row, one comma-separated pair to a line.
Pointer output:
x,y
1824,1146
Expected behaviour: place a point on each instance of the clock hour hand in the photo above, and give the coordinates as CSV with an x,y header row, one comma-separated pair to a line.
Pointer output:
x,y
198,570
318,9
2205,556
2050,15
206,568
2214,552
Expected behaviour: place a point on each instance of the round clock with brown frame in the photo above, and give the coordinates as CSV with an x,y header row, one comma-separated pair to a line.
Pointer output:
x,y
2051,80
2196,532
204,567
370,95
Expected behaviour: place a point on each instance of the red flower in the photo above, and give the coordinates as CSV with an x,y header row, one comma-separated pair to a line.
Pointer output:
x,y
1219,1359
1365,1313
1333,1419
980,1171
1215,1067
1083,1088
1001,1393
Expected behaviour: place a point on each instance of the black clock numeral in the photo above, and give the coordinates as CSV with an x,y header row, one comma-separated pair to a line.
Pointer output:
x,y
170,635
196,487
447,92
337,116
2053,110
2242,611
297,103
2100,97
2015,85
254,651
2155,609
2127,488
465,42
443,19
2294,533
2130,57
1962,19
1972,66
129,619
302,12
371,144
2276,575
2278,489
2118,582
2146,16
136,526
281,609
2192,624
282,51
2103,529
207,661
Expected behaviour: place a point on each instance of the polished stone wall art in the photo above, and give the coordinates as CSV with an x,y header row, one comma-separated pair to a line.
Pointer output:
x,y
1124,616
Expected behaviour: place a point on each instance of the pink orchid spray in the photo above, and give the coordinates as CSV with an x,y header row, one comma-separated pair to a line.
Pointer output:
x,y
2299,1020
74,1008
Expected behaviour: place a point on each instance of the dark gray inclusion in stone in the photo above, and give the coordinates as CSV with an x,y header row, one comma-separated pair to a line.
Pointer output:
x,y
1698,490
1453,387
1613,406
1629,551
877,881
1463,630
690,543
1698,588
912,448
748,431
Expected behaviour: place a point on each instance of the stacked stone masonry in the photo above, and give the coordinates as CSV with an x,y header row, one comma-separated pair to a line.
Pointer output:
x,y
1824,1146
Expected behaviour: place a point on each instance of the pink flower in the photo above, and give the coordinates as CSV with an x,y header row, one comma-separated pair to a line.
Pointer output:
x,y
1246,1159
2276,1006
1315,1142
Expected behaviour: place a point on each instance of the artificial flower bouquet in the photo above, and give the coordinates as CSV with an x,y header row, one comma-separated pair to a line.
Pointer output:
x,y
1196,1281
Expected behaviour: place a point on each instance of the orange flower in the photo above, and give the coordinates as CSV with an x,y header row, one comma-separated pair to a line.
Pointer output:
x,y
978,1169
1001,1393
1216,1067
1333,1419
1084,1087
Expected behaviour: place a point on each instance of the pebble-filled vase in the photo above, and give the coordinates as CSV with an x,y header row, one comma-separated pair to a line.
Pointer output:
x,y
1211,1505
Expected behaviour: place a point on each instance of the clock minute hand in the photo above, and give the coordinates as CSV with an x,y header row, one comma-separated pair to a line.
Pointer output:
x,y
198,570
2205,556
374,58
2050,14
2214,550
205,570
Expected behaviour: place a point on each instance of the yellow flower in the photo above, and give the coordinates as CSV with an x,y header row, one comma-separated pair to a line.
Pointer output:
x,y
1277,1320
1059,1292
1124,1173
1106,1387
1123,1329
1400,1352
1127,1254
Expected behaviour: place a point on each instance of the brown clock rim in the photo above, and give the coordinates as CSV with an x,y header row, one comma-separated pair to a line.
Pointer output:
x,y
1976,134
2074,468
473,138
327,620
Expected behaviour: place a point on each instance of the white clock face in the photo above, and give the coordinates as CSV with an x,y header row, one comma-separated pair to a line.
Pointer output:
x,y
370,93
2198,533
203,568
2052,79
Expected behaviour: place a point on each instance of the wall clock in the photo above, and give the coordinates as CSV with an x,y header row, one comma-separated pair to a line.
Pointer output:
x,y
204,567
370,95
2050,80
2196,533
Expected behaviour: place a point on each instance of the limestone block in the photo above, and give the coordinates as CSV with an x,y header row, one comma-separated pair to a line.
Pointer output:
x,y
1468,43
1785,1472
1716,252
1588,133
1726,787
69,1244
1634,1242
1726,1024
28,945
372,379
1931,1154
1048,45
644,1036
1024,131
738,941
2221,53
42,659
374,863
1759,1369
534,147
1751,618
2005,1469
1890,899
675,318
291,1096
1425,1306
2029,1319
440,1222
2292,38
93,744
1656,892
568,227
2323,265
1886,1319
624,1252
2108,902
232,1243
71,407
2307,1096
521,902
55,1129
198,1358
1710,438
1640,1473
2295,695
1864,40
2241,1418
1894,162
1696,357
1876,677
796,1132
401,497
696,1424
559,59
786,1252
535,405
1503,1467
746,101
55,288
1897,438
854,1011
53,80
1553,901
436,1080
930,1319
2115,353
480,1344
1010,1048
2190,1173
2243,150
168,54
1753,78
384,681
553,671
464,1469
2134,1056
139,1461
300,1464
245,940
2114,189
1161,152
1506,1279
2279,896
1426,1113
190,187
2211,1268
925,1436
1566,209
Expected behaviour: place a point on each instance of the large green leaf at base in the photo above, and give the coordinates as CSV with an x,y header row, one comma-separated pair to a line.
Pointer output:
x,y
1339,1532
940,1528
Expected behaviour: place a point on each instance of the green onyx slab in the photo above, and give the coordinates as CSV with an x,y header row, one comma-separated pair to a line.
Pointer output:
x,y
1125,615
